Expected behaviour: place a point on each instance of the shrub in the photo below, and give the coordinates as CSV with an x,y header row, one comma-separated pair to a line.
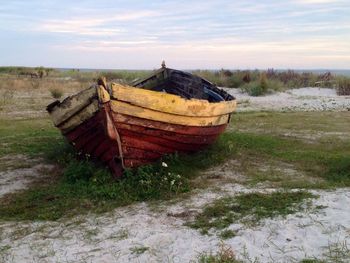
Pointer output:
x,y
343,86
263,82
253,89
262,87
56,93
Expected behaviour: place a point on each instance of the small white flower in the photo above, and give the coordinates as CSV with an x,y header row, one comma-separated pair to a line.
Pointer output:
x,y
164,164
178,176
172,182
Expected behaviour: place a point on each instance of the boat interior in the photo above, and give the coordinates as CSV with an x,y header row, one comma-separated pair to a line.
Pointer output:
x,y
183,84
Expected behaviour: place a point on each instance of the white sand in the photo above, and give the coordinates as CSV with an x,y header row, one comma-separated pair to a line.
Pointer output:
x,y
303,99
114,237
13,179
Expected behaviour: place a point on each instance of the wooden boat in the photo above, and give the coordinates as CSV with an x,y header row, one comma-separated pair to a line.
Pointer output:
x,y
128,126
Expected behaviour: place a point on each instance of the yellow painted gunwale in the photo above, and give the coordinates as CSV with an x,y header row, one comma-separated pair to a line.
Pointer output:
x,y
169,103
150,114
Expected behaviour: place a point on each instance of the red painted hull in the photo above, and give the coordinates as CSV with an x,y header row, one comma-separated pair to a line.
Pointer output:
x,y
126,141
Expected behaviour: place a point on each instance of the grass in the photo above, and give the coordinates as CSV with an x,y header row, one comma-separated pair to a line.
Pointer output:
x,y
248,208
77,186
139,250
338,252
33,137
310,260
224,255
85,187
227,234
81,186
317,147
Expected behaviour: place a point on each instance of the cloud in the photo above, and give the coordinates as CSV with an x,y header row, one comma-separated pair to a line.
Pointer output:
x,y
218,31
92,26
320,1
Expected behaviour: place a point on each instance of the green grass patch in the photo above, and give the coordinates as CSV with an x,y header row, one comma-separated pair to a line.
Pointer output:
x,y
248,208
227,234
224,255
330,163
83,186
33,137
308,260
139,250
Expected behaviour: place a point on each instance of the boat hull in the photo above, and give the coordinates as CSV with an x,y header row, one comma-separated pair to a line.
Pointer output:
x,y
126,127
139,141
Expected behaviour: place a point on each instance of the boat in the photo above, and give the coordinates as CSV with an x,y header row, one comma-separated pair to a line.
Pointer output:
x,y
126,126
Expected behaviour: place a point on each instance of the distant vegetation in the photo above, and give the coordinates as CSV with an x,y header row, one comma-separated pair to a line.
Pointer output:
x,y
343,86
254,82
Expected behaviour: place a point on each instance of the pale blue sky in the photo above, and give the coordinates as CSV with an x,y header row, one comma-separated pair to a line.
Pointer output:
x,y
186,34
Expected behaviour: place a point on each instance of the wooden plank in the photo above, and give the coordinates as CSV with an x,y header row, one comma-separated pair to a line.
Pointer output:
x,y
102,148
170,145
131,110
90,136
133,142
179,129
71,105
171,136
169,103
83,128
80,117
94,143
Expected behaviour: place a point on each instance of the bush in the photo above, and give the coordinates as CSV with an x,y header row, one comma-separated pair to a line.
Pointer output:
x,y
56,93
343,86
253,89
262,87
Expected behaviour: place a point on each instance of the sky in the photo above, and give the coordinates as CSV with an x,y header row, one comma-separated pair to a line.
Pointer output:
x,y
189,34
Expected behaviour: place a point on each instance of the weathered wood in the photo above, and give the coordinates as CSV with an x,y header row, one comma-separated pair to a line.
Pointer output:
x,y
169,103
78,118
72,105
180,129
128,109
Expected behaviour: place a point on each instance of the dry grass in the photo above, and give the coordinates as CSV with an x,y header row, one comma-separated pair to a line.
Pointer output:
x,y
26,84
23,97
343,86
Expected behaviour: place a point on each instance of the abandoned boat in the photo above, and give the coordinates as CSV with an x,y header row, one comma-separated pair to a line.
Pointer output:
x,y
128,126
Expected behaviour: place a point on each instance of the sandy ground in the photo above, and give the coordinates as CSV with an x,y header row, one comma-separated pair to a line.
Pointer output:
x,y
19,171
140,233
303,99
116,237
